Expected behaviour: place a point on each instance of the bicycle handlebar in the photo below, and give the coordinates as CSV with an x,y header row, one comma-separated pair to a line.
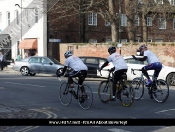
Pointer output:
x,y
110,70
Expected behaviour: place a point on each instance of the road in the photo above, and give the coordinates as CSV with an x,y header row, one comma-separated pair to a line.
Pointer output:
x,y
37,97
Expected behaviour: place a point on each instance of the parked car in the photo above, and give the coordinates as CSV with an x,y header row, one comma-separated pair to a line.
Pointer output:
x,y
93,64
36,64
167,73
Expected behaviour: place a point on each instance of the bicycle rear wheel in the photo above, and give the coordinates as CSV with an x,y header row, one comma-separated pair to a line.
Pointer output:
x,y
64,94
161,92
85,97
126,94
138,88
105,91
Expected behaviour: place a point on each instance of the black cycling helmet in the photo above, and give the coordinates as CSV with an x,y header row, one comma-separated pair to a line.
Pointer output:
x,y
142,46
111,49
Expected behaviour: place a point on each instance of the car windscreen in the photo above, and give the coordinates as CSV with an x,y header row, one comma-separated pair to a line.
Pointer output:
x,y
54,61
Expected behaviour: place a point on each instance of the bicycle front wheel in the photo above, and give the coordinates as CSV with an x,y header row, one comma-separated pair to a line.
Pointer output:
x,y
64,94
126,94
105,91
85,97
161,92
138,88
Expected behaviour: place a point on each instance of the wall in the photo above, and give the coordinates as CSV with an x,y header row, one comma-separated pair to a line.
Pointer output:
x,y
165,52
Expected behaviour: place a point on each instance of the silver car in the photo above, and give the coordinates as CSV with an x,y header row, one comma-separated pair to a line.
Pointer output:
x,y
36,64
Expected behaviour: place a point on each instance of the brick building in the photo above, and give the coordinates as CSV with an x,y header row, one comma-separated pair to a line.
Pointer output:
x,y
92,28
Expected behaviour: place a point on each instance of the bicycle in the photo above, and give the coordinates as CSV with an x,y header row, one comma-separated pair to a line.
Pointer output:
x,y
83,94
156,90
124,92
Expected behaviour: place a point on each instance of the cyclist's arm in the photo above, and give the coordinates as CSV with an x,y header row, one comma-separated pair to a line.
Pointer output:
x,y
64,70
140,59
105,64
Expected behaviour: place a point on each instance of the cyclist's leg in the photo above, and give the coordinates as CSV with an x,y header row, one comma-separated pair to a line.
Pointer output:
x,y
70,75
158,68
82,75
117,76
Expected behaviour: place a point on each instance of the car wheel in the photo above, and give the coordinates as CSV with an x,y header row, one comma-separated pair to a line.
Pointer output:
x,y
171,79
25,71
59,71
32,74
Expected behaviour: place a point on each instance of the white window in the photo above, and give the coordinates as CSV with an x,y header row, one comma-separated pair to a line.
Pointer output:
x,y
149,21
123,40
136,21
158,1
162,23
8,18
92,41
26,15
173,23
0,18
123,20
36,16
17,17
158,40
171,2
92,19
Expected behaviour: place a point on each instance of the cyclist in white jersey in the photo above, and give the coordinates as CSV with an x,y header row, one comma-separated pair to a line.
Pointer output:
x,y
79,68
120,67
153,63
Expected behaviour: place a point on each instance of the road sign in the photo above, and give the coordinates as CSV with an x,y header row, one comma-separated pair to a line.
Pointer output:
x,y
54,40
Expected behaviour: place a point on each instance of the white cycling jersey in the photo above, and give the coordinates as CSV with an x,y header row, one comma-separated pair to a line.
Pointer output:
x,y
75,63
151,57
118,61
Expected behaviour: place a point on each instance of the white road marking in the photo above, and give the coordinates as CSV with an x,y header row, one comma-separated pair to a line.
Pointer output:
x,y
46,112
117,130
1,88
25,84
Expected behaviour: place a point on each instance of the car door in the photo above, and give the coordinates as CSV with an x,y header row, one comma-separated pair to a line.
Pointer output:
x,y
46,65
92,65
34,64
135,64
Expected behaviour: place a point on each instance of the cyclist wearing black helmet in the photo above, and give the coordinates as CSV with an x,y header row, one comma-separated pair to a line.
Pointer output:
x,y
79,68
120,67
153,63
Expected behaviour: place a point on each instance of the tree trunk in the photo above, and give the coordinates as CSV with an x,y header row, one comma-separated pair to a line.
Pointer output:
x,y
113,21
145,36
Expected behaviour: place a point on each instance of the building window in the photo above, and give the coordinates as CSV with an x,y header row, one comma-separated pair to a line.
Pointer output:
x,y
173,23
158,1
123,20
26,15
162,23
159,40
136,21
171,2
149,21
71,48
123,40
92,41
92,19
17,17
107,23
36,16
8,18
0,18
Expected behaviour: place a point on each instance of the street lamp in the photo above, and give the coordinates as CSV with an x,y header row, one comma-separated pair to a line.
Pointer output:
x,y
119,30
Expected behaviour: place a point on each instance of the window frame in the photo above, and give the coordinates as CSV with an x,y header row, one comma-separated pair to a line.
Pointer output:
x,y
8,18
162,23
123,20
149,21
136,20
36,15
17,17
92,19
